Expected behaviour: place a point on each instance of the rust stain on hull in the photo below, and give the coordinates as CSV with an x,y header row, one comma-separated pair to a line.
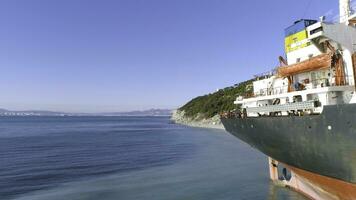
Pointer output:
x,y
325,187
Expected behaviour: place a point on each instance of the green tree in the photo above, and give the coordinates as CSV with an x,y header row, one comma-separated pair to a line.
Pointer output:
x,y
212,104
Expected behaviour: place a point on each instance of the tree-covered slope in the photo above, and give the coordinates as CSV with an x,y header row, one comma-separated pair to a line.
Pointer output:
x,y
210,105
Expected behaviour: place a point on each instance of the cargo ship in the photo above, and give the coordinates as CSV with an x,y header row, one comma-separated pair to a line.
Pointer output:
x,y
302,115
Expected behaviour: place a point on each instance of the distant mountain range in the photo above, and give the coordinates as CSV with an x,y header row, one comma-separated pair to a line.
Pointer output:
x,y
151,112
4,112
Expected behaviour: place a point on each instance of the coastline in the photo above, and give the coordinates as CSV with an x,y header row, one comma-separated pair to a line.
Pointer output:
x,y
213,123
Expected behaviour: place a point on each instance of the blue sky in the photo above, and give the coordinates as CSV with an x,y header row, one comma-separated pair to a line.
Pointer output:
x,y
90,56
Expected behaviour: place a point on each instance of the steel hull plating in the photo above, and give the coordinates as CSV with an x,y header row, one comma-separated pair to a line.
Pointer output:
x,y
320,187
323,144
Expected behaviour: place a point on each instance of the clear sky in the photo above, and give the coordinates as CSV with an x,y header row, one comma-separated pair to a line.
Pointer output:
x,y
119,55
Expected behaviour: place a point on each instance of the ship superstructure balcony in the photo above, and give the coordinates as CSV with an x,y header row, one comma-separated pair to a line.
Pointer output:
x,y
338,33
315,31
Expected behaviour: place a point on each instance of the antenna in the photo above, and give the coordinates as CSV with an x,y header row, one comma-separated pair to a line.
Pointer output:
x,y
344,9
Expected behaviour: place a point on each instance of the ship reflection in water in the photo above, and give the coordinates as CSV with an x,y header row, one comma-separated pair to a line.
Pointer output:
x,y
128,158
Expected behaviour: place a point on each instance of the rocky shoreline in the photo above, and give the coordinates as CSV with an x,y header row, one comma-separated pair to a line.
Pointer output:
x,y
214,122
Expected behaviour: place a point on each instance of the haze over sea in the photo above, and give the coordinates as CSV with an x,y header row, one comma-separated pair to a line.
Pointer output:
x,y
127,158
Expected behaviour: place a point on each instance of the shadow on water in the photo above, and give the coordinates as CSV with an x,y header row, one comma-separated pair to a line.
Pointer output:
x,y
278,192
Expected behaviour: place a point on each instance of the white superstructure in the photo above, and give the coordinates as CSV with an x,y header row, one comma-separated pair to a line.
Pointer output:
x,y
319,70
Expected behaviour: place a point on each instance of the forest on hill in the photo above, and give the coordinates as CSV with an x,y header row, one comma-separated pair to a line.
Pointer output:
x,y
212,104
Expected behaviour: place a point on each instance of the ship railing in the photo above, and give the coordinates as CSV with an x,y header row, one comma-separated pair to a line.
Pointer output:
x,y
266,74
304,85
271,91
231,114
327,82
304,105
294,108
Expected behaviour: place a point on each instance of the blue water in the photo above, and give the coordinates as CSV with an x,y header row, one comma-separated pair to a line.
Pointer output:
x,y
127,158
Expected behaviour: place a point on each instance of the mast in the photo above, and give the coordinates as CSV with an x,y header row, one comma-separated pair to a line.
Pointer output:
x,y
344,10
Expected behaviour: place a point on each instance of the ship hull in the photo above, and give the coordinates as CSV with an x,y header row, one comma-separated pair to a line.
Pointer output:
x,y
320,187
323,144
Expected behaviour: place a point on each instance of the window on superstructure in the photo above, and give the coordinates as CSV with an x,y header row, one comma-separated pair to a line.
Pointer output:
x,y
319,29
297,98
309,22
320,79
298,60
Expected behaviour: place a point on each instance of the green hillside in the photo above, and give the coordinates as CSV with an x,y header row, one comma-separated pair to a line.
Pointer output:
x,y
211,104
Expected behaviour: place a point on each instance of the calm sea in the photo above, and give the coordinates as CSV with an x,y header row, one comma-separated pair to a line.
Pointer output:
x,y
127,158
